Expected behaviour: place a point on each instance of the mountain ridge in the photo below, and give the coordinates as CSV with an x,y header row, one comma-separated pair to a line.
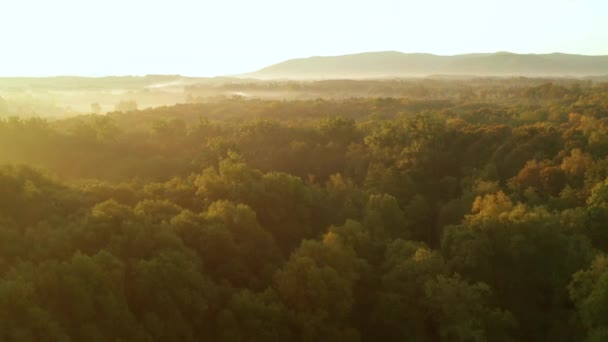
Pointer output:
x,y
387,64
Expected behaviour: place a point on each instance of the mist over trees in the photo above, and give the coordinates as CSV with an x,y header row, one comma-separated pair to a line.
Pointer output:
x,y
432,210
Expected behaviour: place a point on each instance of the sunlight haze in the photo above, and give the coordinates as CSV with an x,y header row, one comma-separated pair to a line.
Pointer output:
x,y
210,38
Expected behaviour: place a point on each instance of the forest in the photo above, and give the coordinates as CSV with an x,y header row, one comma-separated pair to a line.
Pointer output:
x,y
386,210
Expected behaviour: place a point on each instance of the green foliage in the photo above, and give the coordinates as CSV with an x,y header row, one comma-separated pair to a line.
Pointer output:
x,y
462,312
255,317
457,211
524,254
316,284
589,291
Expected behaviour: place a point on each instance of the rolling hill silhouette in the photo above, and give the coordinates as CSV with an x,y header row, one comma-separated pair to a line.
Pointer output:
x,y
397,64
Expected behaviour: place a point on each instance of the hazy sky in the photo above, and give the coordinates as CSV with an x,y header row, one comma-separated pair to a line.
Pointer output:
x,y
207,38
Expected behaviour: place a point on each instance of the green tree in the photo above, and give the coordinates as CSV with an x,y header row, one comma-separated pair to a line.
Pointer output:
x,y
589,291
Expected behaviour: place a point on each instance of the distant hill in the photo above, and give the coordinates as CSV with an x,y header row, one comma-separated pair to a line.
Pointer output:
x,y
398,64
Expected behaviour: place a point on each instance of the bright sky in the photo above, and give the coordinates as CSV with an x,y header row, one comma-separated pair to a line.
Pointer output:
x,y
218,37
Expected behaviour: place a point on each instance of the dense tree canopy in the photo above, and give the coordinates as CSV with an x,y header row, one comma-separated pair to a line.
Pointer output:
x,y
452,211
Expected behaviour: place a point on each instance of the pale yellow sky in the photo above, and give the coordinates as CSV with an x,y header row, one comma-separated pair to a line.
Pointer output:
x,y
208,38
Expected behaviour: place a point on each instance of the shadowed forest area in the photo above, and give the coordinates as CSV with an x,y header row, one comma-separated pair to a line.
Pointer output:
x,y
373,210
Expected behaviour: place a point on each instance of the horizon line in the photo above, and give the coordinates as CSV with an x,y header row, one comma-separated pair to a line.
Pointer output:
x,y
236,75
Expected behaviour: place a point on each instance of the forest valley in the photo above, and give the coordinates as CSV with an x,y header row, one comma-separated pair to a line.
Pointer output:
x,y
430,210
